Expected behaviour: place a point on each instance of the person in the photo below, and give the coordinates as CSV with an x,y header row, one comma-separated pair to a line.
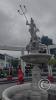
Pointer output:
x,y
50,78
20,75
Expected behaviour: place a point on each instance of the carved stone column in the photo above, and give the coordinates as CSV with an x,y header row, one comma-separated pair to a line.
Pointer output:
x,y
36,92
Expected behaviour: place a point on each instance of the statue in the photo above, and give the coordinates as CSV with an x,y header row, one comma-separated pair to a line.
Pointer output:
x,y
33,29
34,41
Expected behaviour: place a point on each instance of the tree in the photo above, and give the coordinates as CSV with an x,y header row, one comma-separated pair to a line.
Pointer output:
x,y
46,40
52,62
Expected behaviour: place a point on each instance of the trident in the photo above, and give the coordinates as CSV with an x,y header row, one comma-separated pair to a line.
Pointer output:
x,y
21,11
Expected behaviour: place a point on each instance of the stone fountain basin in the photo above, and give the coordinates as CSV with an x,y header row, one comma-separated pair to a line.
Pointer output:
x,y
22,91
37,58
19,90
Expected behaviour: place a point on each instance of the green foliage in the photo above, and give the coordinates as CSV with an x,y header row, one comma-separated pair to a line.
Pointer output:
x,y
52,62
15,62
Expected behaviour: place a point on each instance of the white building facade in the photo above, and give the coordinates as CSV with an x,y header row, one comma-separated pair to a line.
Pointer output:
x,y
5,60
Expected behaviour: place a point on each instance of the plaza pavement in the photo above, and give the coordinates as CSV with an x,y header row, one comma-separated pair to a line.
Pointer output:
x,y
14,79
4,80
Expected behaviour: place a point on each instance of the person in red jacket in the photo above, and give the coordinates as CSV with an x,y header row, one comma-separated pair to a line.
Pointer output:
x,y
20,75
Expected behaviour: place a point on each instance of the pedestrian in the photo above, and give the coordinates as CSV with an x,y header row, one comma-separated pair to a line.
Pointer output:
x,y
20,75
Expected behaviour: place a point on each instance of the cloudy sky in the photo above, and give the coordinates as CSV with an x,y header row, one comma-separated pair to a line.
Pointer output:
x,y
13,29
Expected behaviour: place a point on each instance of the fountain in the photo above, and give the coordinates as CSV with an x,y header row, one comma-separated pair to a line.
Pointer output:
x,y
37,55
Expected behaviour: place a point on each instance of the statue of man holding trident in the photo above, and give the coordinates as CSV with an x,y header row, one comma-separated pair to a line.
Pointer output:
x,y
33,29
34,41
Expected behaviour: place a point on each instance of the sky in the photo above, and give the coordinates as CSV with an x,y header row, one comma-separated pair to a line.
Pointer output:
x,y
13,29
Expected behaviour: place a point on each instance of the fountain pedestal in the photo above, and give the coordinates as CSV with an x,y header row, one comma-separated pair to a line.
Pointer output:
x,y
35,77
35,91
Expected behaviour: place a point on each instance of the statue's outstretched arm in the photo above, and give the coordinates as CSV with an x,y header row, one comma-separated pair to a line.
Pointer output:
x,y
27,23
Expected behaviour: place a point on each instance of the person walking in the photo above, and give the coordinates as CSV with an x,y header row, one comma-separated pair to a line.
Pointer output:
x,y
20,76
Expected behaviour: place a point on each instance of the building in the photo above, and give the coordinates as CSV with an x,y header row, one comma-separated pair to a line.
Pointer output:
x,y
52,49
5,60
